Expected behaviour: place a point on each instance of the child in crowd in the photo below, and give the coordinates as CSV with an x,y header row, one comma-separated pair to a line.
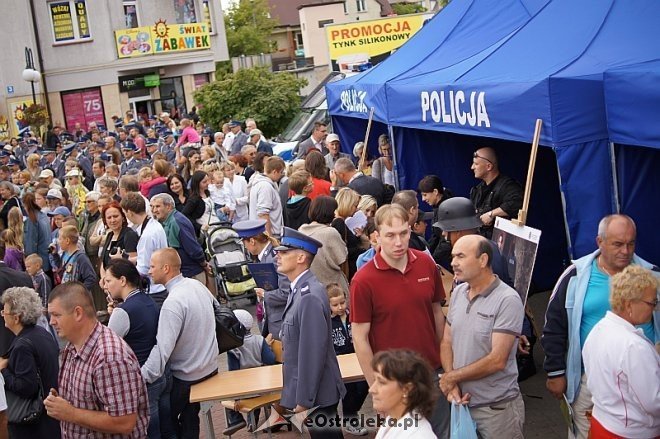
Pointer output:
x,y
222,196
14,257
342,339
77,191
41,282
255,352
419,228
370,231
297,206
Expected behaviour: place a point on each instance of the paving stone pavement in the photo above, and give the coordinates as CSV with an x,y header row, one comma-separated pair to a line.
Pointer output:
x,y
543,418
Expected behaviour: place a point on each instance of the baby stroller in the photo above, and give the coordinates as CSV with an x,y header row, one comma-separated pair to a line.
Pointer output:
x,y
230,265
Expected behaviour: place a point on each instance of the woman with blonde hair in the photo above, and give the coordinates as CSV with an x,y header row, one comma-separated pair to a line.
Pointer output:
x,y
33,166
368,205
383,167
238,189
207,155
189,135
347,204
621,365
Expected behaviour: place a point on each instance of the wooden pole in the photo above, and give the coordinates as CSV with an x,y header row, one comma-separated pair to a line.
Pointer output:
x,y
363,159
522,213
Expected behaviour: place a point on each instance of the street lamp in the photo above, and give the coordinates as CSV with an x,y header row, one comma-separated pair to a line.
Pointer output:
x,y
30,74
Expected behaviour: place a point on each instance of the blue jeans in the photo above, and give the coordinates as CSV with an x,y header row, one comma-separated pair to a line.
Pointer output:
x,y
160,423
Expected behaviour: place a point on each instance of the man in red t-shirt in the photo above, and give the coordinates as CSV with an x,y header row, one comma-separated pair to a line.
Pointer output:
x,y
396,303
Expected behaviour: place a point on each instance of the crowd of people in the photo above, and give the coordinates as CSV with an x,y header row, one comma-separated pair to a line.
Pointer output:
x,y
108,294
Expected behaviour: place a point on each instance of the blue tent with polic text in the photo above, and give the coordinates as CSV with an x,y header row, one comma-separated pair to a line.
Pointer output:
x,y
550,66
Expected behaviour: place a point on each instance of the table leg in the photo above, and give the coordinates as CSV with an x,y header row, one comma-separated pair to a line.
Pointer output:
x,y
205,410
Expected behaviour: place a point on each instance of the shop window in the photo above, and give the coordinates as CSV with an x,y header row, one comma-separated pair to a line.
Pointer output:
x,y
83,107
361,5
69,20
201,79
185,11
172,98
131,14
206,10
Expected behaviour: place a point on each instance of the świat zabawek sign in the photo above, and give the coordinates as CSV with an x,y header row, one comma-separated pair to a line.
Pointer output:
x,y
162,38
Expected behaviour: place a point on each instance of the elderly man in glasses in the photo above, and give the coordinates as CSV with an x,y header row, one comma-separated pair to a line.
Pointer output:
x,y
496,194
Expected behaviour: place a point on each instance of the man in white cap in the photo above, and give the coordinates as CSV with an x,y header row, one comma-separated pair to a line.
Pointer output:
x,y
257,138
54,198
334,146
48,177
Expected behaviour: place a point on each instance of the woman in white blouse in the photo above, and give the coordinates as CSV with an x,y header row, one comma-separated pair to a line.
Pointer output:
x,y
403,392
622,365
239,189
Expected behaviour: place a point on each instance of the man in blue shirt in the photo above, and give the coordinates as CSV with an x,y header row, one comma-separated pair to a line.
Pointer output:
x,y
579,300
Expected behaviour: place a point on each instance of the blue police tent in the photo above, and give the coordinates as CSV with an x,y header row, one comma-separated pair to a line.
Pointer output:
x,y
463,29
550,67
632,100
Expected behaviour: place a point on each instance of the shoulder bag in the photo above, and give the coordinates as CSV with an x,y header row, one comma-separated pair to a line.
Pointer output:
x,y
24,411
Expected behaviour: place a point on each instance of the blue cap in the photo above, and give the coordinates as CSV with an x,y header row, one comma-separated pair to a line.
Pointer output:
x,y
250,228
60,210
167,133
4,153
151,141
68,146
113,134
47,151
207,132
118,124
32,142
153,117
129,145
293,239
13,161
105,157
25,131
84,138
235,123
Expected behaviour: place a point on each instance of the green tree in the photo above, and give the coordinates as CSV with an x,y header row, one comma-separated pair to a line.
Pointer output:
x,y
248,27
407,8
270,98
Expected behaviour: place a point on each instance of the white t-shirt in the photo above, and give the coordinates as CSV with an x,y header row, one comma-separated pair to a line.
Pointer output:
x,y
3,398
406,427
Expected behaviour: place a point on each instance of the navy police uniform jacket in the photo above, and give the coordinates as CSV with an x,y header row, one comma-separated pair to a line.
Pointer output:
x,y
275,300
310,371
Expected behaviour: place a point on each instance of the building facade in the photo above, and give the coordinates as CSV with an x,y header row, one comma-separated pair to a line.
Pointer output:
x,y
103,58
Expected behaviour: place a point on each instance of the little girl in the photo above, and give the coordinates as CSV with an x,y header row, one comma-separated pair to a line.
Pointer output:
x,y
14,257
12,237
342,339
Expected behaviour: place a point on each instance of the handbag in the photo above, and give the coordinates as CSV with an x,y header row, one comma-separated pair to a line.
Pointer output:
x,y
462,426
25,411
229,331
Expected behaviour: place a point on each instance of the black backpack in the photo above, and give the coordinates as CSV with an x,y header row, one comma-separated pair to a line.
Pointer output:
x,y
229,331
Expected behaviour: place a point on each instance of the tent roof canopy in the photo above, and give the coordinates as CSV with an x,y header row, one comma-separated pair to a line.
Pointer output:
x,y
495,73
632,100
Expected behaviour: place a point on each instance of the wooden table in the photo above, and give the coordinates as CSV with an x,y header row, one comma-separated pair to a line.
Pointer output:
x,y
248,383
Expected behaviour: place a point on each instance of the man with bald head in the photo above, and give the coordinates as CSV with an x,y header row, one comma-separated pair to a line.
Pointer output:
x,y
497,194
478,349
579,300
185,338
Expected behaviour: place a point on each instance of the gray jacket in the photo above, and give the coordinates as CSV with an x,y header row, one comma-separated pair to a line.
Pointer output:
x,y
310,372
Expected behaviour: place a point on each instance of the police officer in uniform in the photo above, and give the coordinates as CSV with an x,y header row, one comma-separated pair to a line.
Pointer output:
x,y
260,245
311,374
130,162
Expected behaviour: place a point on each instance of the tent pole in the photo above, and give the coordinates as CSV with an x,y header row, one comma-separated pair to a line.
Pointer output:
x,y
615,180
395,168
522,213
363,159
